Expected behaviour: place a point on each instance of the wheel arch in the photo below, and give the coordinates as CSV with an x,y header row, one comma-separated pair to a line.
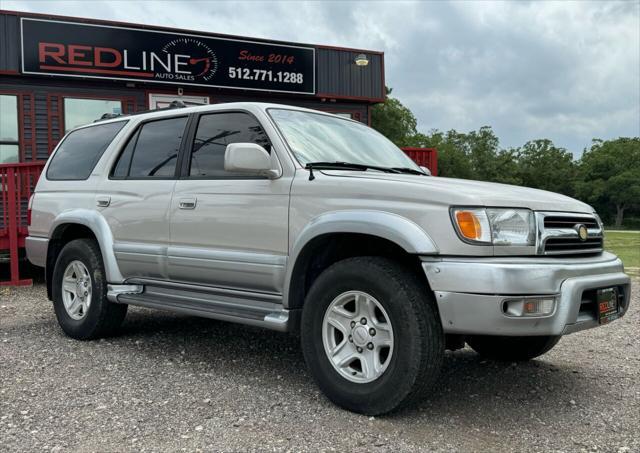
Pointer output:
x,y
76,224
342,234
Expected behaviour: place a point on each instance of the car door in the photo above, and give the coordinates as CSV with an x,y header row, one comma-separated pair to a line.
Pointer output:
x,y
135,199
228,230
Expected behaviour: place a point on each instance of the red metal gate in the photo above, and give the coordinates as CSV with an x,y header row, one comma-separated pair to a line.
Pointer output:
x,y
425,157
17,182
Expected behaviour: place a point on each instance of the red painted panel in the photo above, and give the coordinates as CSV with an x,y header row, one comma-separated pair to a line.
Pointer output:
x,y
17,182
425,157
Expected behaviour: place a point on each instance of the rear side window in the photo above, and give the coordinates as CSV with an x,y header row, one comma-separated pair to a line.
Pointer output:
x,y
152,152
121,169
216,131
81,150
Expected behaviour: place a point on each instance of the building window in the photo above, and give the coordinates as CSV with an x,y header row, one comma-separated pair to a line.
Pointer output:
x,y
78,111
9,133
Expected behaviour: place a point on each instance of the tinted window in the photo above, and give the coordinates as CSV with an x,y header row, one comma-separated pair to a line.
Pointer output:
x,y
156,148
214,133
81,150
121,169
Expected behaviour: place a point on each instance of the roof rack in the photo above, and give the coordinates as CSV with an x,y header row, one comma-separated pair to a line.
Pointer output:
x,y
173,105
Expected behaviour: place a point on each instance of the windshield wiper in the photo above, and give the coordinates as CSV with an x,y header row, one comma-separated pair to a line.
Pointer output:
x,y
411,171
344,166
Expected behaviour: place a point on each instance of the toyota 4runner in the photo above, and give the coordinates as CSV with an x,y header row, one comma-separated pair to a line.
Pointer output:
x,y
298,220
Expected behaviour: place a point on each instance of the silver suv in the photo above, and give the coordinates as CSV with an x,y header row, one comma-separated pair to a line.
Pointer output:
x,y
298,220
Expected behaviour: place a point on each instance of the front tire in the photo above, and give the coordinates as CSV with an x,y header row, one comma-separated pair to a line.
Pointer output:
x,y
512,349
80,293
371,335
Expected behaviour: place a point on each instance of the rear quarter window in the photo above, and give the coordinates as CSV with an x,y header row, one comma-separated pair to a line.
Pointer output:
x,y
81,150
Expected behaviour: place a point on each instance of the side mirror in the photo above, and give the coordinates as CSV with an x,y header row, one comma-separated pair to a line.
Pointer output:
x,y
426,170
251,159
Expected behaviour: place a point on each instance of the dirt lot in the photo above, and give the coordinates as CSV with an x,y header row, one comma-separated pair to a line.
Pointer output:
x,y
170,382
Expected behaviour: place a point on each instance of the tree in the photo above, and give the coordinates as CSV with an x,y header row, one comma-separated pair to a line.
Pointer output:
x,y
473,155
507,167
453,161
542,165
610,175
483,149
393,120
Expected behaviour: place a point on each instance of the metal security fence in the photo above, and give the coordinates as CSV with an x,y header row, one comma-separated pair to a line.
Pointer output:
x,y
17,182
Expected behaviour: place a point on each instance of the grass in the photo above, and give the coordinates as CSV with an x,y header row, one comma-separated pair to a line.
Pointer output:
x,y
625,244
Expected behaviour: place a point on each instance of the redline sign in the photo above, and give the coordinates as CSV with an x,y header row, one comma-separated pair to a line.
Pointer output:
x,y
106,52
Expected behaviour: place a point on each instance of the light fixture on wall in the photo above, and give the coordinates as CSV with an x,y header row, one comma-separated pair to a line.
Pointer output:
x,y
361,60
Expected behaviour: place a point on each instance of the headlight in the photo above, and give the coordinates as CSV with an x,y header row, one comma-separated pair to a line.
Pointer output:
x,y
495,226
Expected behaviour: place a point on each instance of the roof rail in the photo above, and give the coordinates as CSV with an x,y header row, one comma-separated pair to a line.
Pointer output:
x,y
108,116
177,104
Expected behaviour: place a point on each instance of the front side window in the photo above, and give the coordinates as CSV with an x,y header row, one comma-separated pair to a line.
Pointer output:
x,y
9,134
216,131
81,150
314,137
152,152
78,111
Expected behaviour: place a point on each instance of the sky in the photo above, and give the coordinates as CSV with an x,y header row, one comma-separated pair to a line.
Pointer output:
x,y
568,71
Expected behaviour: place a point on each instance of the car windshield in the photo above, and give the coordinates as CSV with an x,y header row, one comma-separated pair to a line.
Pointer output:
x,y
315,137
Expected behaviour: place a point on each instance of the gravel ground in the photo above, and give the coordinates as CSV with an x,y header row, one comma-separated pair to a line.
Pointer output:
x,y
171,383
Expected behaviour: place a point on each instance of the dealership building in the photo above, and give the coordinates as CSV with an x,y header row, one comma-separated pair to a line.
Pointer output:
x,y
60,72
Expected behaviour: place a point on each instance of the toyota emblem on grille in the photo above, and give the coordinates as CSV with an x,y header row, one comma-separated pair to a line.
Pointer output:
x,y
582,232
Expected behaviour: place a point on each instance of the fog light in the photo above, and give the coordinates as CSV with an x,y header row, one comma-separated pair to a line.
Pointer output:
x,y
530,306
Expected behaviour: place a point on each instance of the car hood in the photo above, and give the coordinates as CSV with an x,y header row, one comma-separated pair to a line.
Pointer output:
x,y
474,193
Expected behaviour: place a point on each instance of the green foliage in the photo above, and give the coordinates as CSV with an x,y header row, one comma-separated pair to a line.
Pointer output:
x,y
453,160
607,176
394,121
544,166
610,176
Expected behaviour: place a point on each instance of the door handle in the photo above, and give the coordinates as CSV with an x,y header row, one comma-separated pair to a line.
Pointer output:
x,y
103,202
187,203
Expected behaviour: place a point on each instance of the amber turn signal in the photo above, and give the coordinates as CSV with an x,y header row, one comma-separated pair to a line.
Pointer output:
x,y
469,225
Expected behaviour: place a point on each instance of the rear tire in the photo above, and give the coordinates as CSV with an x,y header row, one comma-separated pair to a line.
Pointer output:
x,y
400,306
512,349
80,293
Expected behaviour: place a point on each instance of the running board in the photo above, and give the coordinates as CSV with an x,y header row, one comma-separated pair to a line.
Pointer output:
x,y
249,309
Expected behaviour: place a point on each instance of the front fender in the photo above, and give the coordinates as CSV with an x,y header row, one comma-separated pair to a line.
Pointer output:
x,y
100,228
392,227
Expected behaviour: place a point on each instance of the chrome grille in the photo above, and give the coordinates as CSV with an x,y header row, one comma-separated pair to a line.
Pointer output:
x,y
569,222
558,235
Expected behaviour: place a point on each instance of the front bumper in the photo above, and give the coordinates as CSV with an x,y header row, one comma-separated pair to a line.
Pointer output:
x,y
470,292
